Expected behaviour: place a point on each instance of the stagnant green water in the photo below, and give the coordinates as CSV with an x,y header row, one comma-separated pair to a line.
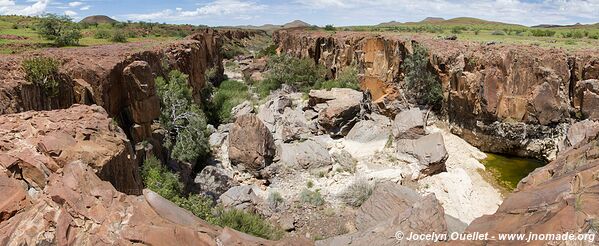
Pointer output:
x,y
510,170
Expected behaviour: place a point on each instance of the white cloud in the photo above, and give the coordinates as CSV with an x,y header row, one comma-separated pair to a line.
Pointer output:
x,y
8,7
4,3
213,9
87,7
512,11
75,4
70,13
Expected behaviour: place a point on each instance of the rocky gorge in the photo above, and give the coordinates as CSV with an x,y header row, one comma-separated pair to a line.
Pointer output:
x,y
328,166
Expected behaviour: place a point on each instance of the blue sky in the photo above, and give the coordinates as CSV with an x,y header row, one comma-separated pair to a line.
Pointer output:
x,y
319,12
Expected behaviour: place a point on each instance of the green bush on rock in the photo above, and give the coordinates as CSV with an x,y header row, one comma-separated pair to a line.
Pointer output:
x,y
182,118
419,79
43,72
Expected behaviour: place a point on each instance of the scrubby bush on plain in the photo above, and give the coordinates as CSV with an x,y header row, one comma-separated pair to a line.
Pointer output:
x,y
59,29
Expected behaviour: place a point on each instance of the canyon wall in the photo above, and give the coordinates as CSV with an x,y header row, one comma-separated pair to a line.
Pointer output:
x,y
511,99
119,78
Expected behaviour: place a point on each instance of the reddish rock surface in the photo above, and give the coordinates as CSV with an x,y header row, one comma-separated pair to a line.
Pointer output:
x,y
33,145
482,83
558,198
77,208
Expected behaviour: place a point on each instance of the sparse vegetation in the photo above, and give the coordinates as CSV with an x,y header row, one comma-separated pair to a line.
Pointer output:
x,y
182,118
247,222
311,197
43,72
419,79
285,69
310,184
59,29
275,200
159,179
102,34
329,28
542,33
229,94
357,193
347,78
118,37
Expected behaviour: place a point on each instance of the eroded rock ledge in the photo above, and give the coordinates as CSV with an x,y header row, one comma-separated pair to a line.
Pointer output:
x,y
518,94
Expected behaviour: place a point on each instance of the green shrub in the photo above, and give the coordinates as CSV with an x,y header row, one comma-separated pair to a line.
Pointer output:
x,y
159,179
275,200
456,30
329,28
285,69
230,51
102,34
270,50
357,193
419,79
498,33
542,33
311,197
347,78
118,37
59,29
247,222
185,122
229,94
199,205
43,72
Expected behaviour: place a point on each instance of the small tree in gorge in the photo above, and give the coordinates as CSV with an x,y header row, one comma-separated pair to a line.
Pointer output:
x,y
419,79
184,121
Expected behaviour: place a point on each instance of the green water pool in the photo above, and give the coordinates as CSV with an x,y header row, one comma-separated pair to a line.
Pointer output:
x,y
508,170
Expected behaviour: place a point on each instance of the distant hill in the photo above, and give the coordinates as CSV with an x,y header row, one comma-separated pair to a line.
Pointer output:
x,y
577,25
293,24
454,21
98,19
432,20
296,23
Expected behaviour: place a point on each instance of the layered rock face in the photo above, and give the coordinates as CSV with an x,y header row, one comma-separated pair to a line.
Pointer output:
x,y
516,94
120,78
558,198
36,144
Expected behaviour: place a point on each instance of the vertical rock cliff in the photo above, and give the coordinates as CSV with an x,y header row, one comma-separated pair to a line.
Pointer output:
x,y
521,95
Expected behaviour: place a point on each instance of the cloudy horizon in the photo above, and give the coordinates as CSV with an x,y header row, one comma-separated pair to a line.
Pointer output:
x,y
317,12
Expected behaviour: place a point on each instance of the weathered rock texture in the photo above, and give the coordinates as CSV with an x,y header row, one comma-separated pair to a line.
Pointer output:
x,y
558,198
390,209
488,89
77,208
251,145
117,77
33,145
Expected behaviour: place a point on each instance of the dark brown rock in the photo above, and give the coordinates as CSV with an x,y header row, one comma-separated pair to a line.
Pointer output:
x,y
251,145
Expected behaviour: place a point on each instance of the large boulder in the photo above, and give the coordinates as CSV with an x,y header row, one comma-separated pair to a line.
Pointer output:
x,y
428,150
409,124
33,145
391,209
587,98
144,104
241,198
579,131
293,125
309,154
242,109
15,198
339,109
251,145
213,181
376,128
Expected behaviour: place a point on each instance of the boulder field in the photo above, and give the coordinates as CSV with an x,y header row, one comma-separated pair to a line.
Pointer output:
x,y
508,98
